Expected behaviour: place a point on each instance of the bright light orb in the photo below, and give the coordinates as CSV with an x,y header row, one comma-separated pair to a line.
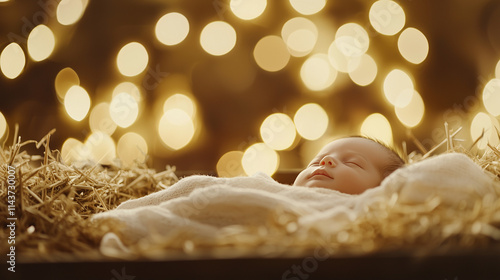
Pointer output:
x,y
172,28
278,131
77,103
497,70
485,128
218,38
65,79
12,60
41,42
129,88
260,158
3,125
300,35
247,9
230,165
398,88
413,45
132,149
311,121
271,53
491,97
100,119
387,17
352,40
317,72
132,59
101,147
377,126
73,150
180,101
411,115
176,129
123,109
308,7
339,61
366,72
69,11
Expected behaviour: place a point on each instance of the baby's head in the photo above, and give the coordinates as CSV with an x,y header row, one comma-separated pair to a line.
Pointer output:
x,y
350,165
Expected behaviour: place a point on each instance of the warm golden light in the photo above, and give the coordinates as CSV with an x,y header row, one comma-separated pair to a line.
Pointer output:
x,y
300,35
65,79
339,61
129,88
366,72
180,101
311,121
172,28
411,115
229,165
12,60
73,151
491,97
278,131
3,125
69,11
413,45
247,9
132,59
132,149
317,73
41,42
77,103
271,53
218,38
398,88
260,158
377,126
101,147
308,7
387,17
124,109
352,40
176,128
497,70
484,123
100,119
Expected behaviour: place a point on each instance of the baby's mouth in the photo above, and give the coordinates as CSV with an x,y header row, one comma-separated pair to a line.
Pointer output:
x,y
321,172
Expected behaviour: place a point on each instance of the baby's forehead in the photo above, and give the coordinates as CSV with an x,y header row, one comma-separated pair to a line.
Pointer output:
x,y
369,149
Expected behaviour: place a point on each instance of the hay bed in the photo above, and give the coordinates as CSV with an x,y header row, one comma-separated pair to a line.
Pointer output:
x,y
54,201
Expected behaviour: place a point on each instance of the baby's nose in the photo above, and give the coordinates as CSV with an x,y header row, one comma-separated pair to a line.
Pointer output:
x,y
328,161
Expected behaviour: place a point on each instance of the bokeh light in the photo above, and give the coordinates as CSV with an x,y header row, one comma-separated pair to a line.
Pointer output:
x,y
339,61
132,59
101,148
311,121
12,60
230,165
271,53
485,128
100,119
398,88
176,128
247,9
124,109
132,149
300,35
411,115
413,45
77,103
70,11
129,88
377,126
308,7
180,101
260,158
497,70
366,72
3,125
218,38
387,17
491,97
73,150
317,73
41,42
172,28
278,131
352,40
65,79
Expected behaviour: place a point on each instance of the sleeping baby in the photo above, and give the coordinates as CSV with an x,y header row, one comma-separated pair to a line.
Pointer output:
x,y
350,165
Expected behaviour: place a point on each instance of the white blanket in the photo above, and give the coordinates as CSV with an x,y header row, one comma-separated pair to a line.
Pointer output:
x,y
207,208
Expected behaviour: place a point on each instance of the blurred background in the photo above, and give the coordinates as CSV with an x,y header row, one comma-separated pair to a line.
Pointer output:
x,y
231,87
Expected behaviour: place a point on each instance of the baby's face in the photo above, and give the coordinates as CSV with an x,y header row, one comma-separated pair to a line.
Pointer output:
x,y
349,165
